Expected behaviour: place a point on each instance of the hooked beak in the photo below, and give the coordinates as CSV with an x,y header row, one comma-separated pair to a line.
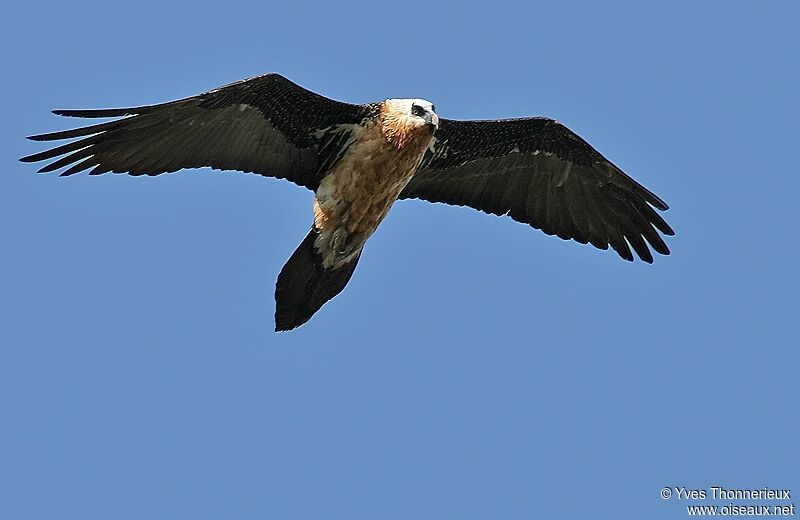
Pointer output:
x,y
432,120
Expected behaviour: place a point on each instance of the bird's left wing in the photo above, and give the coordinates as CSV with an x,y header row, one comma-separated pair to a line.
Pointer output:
x,y
539,172
266,125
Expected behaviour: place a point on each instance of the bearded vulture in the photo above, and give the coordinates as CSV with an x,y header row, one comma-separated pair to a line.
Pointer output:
x,y
358,160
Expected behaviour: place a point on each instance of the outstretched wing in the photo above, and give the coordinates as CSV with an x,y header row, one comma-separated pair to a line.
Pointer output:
x,y
539,172
266,125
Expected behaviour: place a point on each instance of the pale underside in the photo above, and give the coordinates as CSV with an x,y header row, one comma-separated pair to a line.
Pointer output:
x,y
357,193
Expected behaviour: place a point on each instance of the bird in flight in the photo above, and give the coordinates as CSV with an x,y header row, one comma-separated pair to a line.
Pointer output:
x,y
358,160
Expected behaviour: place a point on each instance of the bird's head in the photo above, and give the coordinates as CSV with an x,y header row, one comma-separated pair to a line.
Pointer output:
x,y
403,118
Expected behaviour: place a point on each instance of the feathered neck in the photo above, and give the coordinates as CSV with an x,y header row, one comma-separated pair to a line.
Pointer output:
x,y
399,128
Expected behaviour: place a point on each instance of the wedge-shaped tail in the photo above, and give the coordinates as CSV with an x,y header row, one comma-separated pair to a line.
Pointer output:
x,y
304,285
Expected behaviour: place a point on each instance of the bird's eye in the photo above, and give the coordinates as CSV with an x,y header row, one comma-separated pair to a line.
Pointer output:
x,y
433,108
417,110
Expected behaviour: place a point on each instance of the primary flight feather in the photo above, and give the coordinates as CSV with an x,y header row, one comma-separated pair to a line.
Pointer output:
x,y
359,159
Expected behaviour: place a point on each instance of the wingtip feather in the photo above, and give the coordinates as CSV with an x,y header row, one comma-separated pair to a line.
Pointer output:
x,y
37,137
96,112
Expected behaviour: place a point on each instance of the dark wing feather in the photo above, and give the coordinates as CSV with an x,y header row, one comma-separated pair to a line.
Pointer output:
x,y
266,125
539,172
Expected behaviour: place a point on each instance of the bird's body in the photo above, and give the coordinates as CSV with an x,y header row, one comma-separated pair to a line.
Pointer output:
x,y
359,159
358,191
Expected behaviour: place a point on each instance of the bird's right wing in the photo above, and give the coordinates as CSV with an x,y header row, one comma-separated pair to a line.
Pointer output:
x,y
266,125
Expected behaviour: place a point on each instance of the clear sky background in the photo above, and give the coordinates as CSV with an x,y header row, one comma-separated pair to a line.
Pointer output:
x,y
474,367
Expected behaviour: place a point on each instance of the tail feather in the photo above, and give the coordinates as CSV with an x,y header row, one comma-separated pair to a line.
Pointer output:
x,y
304,285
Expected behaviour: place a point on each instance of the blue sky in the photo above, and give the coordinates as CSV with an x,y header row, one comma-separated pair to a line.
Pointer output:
x,y
474,367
